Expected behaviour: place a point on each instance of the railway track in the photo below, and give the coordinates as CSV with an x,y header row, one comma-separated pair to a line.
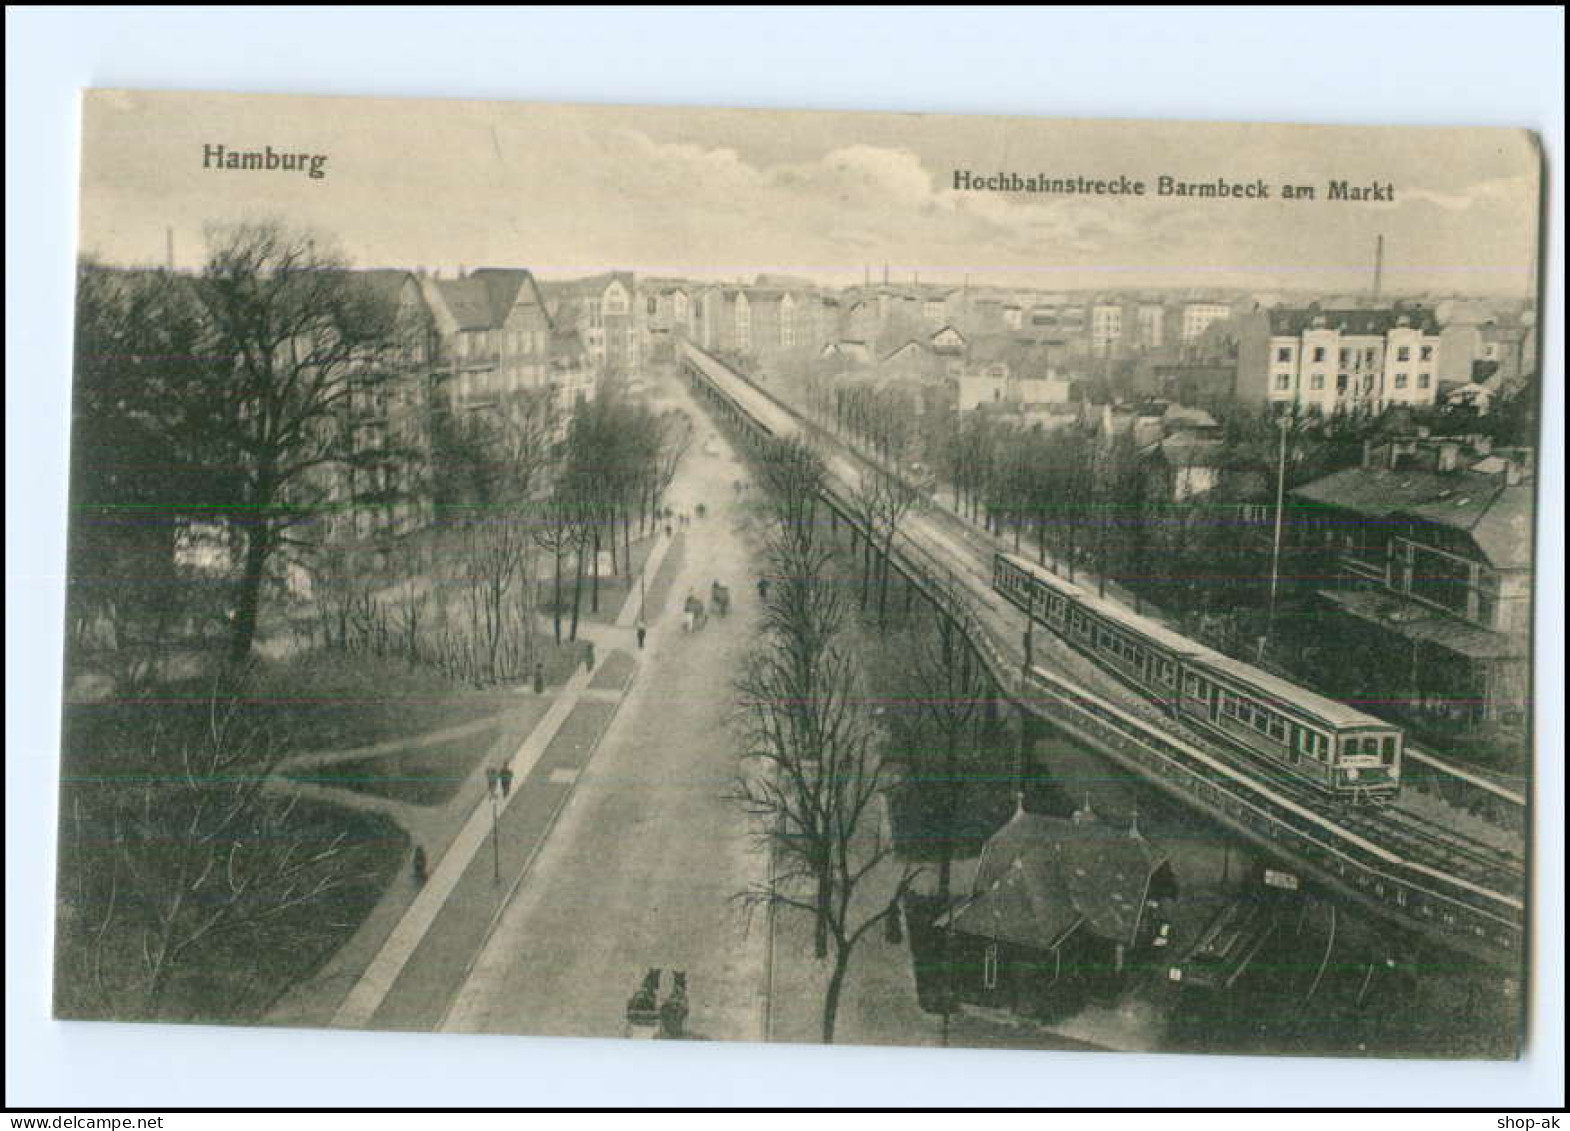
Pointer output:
x,y
949,551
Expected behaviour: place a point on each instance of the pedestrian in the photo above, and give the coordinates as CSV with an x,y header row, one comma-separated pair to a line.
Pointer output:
x,y
418,864
763,589
539,677
588,654
505,777
643,631
492,781
669,533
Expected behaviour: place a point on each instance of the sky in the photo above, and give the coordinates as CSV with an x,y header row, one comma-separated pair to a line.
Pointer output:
x,y
725,194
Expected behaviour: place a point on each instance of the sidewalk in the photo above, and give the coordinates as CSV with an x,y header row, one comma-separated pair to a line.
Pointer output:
x,y
416,971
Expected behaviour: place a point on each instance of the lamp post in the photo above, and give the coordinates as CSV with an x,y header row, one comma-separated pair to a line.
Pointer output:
x,y
1284,423
496,841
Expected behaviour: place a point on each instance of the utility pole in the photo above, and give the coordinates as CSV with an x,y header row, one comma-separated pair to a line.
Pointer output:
x,y
496,837
1285,424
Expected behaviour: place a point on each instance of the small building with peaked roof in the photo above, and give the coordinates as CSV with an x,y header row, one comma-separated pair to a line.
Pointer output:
x,y
1061,911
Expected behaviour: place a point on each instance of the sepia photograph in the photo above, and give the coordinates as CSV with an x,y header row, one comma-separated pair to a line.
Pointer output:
x,y
854,578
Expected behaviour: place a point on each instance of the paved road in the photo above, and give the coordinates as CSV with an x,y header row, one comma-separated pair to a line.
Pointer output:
x,y
641,866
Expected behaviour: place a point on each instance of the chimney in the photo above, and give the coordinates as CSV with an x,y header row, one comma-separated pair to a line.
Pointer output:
x,y
1449,455
1379,264
169,248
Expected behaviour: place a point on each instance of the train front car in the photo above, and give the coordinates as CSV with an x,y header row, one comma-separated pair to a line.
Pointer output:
x,y
1368,763
1288,731
1336,748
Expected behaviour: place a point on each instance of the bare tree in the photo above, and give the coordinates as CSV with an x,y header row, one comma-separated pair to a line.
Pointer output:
x,y
793,476
556,532
494,560
816,770
891,499
940,676
203,852
306,349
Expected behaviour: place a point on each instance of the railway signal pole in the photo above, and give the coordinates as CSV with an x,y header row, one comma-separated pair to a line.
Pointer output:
x,y
1284,423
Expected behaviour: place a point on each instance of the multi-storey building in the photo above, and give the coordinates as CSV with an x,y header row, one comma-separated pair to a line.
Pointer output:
x,y
1151,320
1330,361
494,331
384,492
667,316
1198,315
609,322
1428,550
1106,327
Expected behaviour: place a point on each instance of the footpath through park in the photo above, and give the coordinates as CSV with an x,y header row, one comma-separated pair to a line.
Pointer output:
x,y
426,958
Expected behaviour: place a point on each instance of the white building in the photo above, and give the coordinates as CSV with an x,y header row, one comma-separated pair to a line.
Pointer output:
x,y
1197,317
1106,326
1352,360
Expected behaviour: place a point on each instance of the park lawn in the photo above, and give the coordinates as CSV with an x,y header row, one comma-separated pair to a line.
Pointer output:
x,y
426,775
613,590
329,700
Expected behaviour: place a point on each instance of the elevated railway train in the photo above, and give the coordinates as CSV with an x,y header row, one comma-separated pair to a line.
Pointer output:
x,y
1285,730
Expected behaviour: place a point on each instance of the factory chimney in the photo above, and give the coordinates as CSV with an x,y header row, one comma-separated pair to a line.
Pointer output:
x,y
1379,264
169,248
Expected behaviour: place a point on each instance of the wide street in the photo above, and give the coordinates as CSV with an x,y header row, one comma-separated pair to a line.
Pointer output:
x,y
642,864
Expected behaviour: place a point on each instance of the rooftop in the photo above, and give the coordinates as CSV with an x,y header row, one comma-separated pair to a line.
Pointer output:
x,y
1291,322
1040,878
1477,498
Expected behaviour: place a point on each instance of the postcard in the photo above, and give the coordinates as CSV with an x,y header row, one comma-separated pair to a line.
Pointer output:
x,y
894,579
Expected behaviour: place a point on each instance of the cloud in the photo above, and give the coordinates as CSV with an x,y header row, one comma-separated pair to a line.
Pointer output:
x,y
1500,190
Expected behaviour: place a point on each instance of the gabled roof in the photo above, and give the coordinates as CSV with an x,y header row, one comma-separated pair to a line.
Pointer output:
x,y
1041,878
589,286
1497,515
386,282
482,299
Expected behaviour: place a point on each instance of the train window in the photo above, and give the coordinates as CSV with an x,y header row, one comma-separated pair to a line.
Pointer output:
x,y
1168,673
1400,897
1193,685
1278,728
1387,749
1103,639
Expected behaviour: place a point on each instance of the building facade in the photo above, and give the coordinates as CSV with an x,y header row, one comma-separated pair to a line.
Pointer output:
x,y
1334,361
1427,548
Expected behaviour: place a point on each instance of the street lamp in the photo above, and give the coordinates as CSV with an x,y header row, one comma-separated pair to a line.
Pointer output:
x,y
496,842
1284,424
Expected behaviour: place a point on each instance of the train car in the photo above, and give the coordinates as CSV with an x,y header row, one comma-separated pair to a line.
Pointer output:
x,y
1135,648
1286,728
1337,748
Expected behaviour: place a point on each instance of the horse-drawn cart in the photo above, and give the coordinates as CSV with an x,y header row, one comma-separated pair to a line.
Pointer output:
x,y
648,1018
